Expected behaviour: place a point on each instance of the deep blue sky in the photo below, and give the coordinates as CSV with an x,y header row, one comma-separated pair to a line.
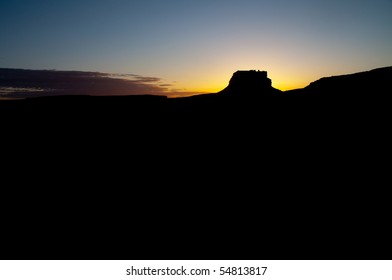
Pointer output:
x,y
196,45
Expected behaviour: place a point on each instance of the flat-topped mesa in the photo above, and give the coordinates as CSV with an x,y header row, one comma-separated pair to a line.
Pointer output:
x,y
249,83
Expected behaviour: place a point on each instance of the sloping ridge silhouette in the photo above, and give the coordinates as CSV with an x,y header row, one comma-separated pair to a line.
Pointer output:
x,y
362,84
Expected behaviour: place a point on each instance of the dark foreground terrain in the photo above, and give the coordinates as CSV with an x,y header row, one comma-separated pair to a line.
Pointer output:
x,y
357,102
254,173
249,113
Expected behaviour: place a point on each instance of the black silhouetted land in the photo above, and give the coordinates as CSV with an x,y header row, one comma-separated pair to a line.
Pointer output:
x,y
251,89
258,173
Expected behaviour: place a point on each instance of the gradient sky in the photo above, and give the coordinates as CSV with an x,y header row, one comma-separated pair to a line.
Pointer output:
x,y
197,45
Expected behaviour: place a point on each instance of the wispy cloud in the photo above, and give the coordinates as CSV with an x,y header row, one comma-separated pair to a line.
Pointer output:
x,y
31,83
10,90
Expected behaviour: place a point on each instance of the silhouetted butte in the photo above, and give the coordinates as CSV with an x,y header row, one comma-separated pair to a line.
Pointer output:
x,y
250,83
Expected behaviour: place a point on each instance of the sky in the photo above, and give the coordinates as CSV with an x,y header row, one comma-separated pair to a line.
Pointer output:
x,y
195,46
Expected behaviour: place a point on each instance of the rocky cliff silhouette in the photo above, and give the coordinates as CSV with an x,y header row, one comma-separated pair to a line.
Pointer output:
x,y
249,83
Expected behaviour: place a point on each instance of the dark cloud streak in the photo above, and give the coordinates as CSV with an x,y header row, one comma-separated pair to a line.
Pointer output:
x,y
51,82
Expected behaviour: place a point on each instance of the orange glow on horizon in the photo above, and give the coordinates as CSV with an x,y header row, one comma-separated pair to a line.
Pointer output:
x,y
219,86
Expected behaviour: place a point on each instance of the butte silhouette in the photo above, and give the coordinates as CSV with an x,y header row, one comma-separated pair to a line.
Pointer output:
x,y
249,83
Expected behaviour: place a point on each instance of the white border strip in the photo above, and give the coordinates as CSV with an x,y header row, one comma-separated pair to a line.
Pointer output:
x,y
118,270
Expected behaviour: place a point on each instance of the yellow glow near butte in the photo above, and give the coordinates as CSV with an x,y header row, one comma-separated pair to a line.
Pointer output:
x,y
212,83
